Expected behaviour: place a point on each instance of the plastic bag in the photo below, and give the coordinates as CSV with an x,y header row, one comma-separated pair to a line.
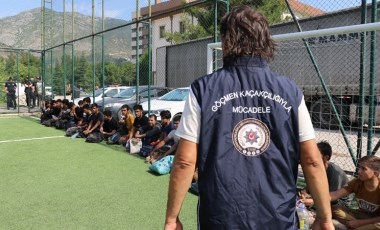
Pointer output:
x,y
163,166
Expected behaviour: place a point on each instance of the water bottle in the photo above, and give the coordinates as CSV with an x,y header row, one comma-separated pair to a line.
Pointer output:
x,y
303,217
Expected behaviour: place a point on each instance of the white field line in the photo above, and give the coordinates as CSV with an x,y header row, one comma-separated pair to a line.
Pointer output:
x,y
30,139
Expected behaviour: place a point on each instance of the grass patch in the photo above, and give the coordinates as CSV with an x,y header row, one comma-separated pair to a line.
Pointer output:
x,y
64,183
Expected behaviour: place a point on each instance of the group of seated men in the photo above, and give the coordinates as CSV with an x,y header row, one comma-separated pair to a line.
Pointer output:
x,y
365,188
87,121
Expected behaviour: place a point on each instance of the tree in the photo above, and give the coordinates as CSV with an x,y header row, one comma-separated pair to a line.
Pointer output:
x,y
10,64
191,32
271,9
80,67
127,73
3,74
144,69
57,81
111,74
205,17
87,82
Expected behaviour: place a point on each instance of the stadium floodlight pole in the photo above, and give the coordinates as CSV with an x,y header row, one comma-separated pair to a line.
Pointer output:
x,y
42,25
72,52
43,65
149,53
51,43
93,52
64,49
137,48
64,71
321,79
103,86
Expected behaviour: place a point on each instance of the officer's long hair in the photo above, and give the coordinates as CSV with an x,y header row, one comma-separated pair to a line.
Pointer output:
x,y
245,32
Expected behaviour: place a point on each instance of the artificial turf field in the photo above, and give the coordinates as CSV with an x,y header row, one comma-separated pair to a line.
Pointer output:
x,y
48,181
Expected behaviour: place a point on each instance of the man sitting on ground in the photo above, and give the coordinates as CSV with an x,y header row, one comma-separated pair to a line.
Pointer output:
x,y
163,148
109,126
367,194
166,124
125,126
336,178
151,132
92,132
139,122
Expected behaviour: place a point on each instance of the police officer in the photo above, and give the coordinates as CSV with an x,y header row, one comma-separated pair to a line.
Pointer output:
x,y
28,92
246,128
10,90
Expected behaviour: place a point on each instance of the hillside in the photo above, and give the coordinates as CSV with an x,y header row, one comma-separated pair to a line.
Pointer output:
x,y
24,31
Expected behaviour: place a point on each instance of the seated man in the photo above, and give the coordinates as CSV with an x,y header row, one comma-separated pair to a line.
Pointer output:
x,y
109,126
151,132
125,127
367,194
55,111
92,132
46,112
336,177
163,148
82,124
166,124
139,122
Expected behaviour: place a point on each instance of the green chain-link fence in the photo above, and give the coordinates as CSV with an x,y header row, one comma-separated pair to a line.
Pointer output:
x,y
164,43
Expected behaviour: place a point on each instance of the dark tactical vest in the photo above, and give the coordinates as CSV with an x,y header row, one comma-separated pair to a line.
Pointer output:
x,y
248,151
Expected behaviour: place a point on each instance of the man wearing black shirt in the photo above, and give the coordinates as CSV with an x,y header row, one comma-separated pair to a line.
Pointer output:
x,y
28,92
96,120
140,120
93,130
151,132
10,90
110,125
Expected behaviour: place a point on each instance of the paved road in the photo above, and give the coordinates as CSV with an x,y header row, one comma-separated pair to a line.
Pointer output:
x,y
18,110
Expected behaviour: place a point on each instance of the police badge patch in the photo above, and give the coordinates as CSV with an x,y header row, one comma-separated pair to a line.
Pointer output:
x,y
251,137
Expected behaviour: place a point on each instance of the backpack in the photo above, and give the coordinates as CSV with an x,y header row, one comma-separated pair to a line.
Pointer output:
x,y
145,150
95,137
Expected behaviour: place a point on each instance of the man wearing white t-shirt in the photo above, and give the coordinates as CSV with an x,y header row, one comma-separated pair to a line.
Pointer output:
x,y
246,129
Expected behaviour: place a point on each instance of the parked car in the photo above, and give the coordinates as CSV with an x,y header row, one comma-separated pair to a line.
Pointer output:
x,y
174,101
49,93
108,92
128,97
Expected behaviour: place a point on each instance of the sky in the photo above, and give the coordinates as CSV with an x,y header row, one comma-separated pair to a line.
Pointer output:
x,y
333,5
122,9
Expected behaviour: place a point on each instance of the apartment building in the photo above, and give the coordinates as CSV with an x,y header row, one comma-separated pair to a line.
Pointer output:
x,y
167,18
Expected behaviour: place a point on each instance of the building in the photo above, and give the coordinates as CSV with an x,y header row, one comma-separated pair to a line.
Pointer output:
x,y
167,17
302,10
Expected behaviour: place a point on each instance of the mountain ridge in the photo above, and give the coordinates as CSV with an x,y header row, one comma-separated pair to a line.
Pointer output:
x,y
23,31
